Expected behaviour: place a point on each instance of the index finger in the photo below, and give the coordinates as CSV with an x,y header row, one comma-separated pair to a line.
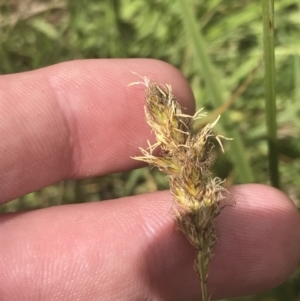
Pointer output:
x,y
76,119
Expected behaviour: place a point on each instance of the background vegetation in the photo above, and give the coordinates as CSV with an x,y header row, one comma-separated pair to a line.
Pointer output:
x,y
36,33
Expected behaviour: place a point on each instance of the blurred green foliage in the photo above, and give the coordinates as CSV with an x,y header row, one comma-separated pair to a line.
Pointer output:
x,y
40,33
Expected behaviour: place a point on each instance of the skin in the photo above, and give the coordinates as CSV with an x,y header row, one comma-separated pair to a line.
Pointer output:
x,y
79,119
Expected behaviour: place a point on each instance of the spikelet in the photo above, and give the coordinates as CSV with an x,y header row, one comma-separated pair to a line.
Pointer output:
x,y
187,159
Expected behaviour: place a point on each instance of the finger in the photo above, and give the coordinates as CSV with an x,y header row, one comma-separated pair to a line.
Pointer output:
x,y
76,119
128,249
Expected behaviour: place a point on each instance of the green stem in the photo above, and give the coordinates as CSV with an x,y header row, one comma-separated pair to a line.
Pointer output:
x,y
201,261
241,163
296,77
270,94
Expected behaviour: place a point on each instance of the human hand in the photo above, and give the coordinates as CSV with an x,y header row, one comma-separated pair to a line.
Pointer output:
x,y
80,119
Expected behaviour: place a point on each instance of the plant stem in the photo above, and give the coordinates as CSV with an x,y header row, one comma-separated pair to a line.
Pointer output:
x,y
202,275
296,77
241,164
270,94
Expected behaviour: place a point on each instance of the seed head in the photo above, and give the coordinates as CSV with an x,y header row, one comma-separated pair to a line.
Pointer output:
x,y
187,160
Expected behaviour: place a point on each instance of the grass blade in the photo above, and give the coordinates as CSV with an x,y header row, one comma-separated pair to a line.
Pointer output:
x,y
238,157
269,64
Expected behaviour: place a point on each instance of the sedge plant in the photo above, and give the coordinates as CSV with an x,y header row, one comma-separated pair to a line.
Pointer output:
x,y
187,159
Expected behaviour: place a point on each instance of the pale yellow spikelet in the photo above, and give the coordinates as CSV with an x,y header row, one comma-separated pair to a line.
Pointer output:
x,y
187,159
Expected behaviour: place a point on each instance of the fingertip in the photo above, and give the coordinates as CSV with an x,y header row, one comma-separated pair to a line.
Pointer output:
x,y
131,245
77,119
258,240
